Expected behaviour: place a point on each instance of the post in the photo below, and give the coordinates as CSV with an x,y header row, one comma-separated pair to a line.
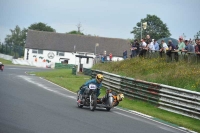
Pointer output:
x,y
141,29
96,45
95,50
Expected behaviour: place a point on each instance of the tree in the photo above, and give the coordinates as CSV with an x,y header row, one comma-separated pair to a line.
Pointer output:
x,y
75,32
197,35
41,27
155,28
16,41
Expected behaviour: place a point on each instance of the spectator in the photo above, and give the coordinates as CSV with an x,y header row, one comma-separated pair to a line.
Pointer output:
x,y
163,47
172,47
188,47
181,45
151,47
196,42
133,49
197,47
102,58
156,45
138,47
148,39
105,57
144,47
125,54
110,56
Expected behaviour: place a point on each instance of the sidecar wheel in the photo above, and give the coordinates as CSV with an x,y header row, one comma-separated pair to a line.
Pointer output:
x,y
108,109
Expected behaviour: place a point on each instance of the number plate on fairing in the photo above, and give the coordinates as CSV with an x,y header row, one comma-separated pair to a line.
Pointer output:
x,y
92,86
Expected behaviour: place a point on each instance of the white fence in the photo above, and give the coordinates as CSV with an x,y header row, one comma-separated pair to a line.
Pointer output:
x,y
6,57
28,63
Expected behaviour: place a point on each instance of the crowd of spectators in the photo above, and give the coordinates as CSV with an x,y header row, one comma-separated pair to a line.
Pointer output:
x,y
151,45
140,48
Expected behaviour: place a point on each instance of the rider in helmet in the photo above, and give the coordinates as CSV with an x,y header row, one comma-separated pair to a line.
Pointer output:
x,y
97,81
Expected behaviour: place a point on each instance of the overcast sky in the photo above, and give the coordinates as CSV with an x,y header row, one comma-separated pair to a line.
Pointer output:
x,y
106,18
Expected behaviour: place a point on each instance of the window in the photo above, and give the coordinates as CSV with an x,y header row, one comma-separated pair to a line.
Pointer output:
x,y
37,51
87,61
61,54
40,51
34,51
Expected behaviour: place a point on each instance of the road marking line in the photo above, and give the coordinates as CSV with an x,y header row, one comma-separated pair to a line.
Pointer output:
x,y
44,87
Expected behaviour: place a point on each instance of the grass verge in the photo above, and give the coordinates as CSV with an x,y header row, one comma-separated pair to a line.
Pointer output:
x,y
6,62
64,78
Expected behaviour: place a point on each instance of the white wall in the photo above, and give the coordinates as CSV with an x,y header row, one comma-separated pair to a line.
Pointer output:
x,y
56,59
6,57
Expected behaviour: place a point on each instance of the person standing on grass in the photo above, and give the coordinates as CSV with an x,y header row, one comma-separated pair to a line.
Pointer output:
x,y
110,56
125,54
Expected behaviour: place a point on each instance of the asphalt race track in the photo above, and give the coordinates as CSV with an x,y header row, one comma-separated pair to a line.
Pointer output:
x,y
30,104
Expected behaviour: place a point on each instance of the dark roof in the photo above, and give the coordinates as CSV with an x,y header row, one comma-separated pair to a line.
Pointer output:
x,y
174,41
66,42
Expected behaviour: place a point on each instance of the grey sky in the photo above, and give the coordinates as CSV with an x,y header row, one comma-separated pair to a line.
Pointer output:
x,y
107,18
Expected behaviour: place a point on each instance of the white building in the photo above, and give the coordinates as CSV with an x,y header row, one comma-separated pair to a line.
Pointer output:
x,y
59,47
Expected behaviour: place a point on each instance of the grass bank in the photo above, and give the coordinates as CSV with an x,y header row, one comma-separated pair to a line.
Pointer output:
x,y
178,74
64,78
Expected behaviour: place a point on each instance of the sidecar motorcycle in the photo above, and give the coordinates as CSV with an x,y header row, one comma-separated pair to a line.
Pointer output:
x,y
110,100
1,66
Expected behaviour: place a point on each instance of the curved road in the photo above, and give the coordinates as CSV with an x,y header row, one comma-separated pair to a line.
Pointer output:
x,y
30,104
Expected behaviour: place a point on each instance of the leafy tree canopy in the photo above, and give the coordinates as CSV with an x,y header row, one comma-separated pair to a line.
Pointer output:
x,y
41,27
197,35
17,36
155,28
75,32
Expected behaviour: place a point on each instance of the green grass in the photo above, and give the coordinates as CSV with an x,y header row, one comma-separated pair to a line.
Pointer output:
x,y
178,74
64,78
6,62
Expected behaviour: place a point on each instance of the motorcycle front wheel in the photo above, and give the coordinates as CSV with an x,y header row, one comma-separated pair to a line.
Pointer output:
x,y
78,104
93,102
